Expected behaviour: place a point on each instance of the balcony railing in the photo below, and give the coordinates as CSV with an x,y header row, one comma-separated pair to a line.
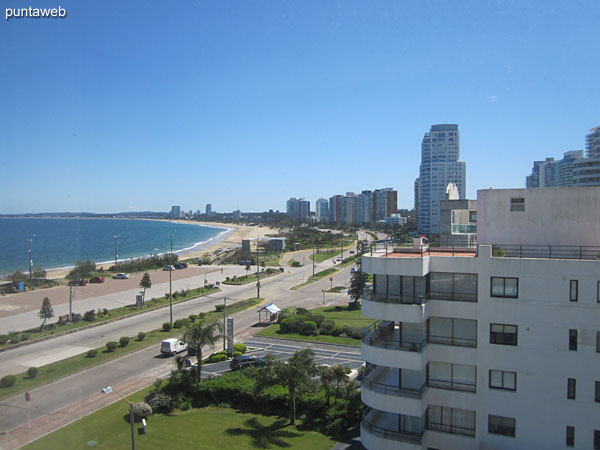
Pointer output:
x,y
452,429
385,249
546,251
382,334
452,385
401,434
452,340
371,295
389,389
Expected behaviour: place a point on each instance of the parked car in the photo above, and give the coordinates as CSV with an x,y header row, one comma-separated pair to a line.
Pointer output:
x,y
170,347
96,280
181,265
352,252
168,268
338,259
120,276
78,282
239,362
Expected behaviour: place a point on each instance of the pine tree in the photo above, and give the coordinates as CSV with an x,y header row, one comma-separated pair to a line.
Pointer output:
x,y
46,311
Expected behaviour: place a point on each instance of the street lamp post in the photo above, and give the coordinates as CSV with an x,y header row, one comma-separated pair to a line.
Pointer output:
x,y
171,286
30,260
108,390
115,237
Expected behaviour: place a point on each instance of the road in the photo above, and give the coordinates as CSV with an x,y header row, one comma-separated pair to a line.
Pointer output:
x,y
143,365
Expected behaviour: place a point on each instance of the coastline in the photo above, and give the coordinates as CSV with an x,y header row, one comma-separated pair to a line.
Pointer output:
x,y
231,236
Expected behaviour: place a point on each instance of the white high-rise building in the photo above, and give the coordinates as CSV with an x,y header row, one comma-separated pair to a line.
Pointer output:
x,y
586,171
322,210
496,347
440,165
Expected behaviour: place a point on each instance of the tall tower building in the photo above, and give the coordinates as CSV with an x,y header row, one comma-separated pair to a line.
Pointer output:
x,y
322,210
586,171
208,209
440,165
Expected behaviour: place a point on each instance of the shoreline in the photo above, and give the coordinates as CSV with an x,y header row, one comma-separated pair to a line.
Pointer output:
x,y
231,236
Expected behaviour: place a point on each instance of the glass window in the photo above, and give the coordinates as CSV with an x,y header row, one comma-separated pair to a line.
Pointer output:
x,y
504,287
573,340
571,388
500,379
570,436
573,290
597,341
597,391
506,426
517,204
596,439
503,334
451,420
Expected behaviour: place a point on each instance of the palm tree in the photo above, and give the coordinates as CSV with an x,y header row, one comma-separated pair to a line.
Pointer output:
x,y
295,374
145,283
339,376
326,377
200,334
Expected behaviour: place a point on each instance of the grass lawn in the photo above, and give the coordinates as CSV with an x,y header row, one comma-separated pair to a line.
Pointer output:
x,y
251,277
74,364
338,289
318,276
322,256
207,428
271,260
348,317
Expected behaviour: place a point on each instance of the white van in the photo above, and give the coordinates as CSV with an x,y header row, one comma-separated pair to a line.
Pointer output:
x,y
170,347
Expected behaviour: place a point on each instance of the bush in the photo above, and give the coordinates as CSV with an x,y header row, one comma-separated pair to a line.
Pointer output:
x,y
167,326
302,311
32,372
105,312
240,347
352,332
111,346
309,328
89,316
3,339
124,341
327,327
216,357
353,306
316,319
292,324
92,353
193,317
236,354
76,318
220,308
141,335
337,330
24,337
8,381
159,402
141,410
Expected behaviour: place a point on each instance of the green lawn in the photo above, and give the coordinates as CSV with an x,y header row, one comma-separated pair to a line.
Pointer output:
x,y
271,260
318,276
251,277
323,256
348,317
338,289
205,428
74,364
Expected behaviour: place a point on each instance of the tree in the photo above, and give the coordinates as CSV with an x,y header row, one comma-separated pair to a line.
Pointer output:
x,y
145,283
358,281
326,377
338,374
247,269
200,334
46,311
296,374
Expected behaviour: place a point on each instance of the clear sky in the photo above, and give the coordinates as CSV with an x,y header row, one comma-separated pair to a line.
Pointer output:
x,y
129,105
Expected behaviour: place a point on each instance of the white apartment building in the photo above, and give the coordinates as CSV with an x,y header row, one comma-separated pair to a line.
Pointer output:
x,y
496,347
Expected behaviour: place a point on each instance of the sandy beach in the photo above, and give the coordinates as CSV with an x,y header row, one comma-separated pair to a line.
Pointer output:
x,y
232,239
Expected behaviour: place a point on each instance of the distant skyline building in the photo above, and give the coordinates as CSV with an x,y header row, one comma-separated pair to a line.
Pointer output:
x,y
366,207
586,171
554,173
175,212
208,209
440,165
322,210
298,208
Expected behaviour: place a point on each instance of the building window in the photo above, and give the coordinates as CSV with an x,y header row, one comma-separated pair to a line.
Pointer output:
x,y
573,340
500,379
504,287
444,330
570,436
571,388
503,334
517,204
597,392
574,290
596,439
451,420
598,292
457,377
597,341
506,426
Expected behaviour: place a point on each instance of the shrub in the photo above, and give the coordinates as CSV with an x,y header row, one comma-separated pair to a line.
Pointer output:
x,y
353,306
327,327
124,341
240,347
309,328
76,318
3,339
167,326
14,337
24,337
141,335
285,313
220,308
159,402
105,312
8,381
92,353
337,330
216,357
89,316
291,324
50,326
193,317
141,410
302,311
62,320
179,323
236,354
316,319
32,372
111,346
352,332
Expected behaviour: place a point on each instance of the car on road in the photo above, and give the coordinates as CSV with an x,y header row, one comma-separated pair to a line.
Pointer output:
x,y
120,276
353,270
96,280
168,268
78,282
338,259
170,347
181,265
352,252
240,362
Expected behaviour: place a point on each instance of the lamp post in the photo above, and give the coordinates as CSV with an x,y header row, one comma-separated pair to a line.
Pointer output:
x,y
108,390
115,237
171,286
30,259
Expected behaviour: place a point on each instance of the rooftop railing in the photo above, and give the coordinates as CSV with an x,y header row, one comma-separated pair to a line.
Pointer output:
x,y
586,252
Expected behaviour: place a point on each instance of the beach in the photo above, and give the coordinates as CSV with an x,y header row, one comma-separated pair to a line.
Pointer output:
x,y
232,238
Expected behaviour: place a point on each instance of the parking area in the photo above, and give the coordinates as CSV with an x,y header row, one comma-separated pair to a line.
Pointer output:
x,y
324,353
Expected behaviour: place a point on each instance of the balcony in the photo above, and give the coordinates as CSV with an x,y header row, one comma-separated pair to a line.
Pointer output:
x,y
394,390
400,307
384,344
383,431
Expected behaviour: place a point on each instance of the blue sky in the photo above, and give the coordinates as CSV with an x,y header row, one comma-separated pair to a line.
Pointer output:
x,y
127,105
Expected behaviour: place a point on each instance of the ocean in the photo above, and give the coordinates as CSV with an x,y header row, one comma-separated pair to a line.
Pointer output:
x,y
59,243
